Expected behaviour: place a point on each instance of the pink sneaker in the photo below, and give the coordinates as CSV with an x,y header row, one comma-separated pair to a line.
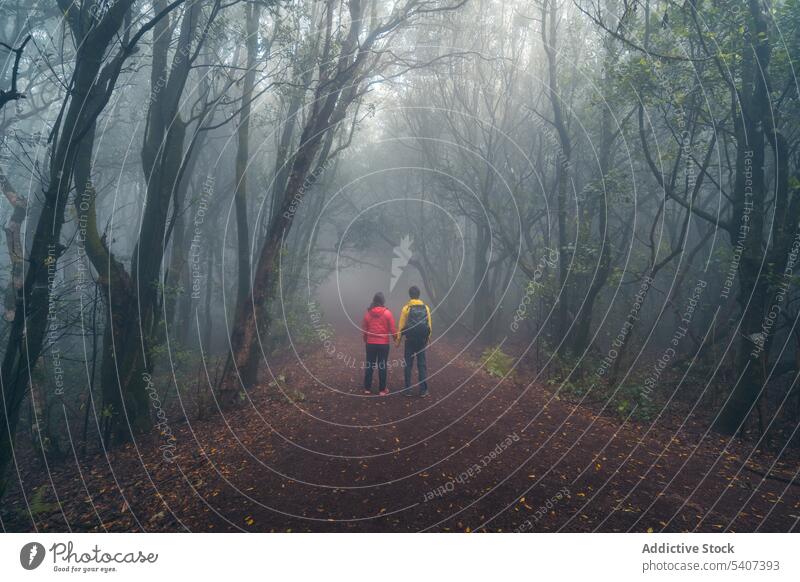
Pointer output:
x,y
384,392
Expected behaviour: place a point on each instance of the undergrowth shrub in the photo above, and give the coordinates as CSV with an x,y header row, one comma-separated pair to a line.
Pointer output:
x,y
497,363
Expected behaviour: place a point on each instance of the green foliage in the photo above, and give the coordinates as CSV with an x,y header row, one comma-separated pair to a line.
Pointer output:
x,y
497,363
283,391
181,366
576,381
37,505
621,401
300,323
633,400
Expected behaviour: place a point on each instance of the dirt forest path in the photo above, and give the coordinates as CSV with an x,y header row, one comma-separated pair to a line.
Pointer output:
x,y
477,455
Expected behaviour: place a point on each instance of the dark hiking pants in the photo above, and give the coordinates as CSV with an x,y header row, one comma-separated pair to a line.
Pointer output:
x,y
376,358
415,349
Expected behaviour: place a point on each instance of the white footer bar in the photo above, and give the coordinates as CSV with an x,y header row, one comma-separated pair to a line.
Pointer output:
x,y
400,557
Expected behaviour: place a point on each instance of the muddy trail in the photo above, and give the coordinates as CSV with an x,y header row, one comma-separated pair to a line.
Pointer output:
x,y
309,451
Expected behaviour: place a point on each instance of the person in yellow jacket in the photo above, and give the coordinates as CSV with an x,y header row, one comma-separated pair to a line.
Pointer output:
x,y
415,326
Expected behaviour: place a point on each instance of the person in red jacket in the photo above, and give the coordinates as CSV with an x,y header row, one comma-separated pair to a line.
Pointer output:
x,y
378,329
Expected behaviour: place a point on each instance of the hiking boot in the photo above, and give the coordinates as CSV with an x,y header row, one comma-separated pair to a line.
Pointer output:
x,y
424,394
408,393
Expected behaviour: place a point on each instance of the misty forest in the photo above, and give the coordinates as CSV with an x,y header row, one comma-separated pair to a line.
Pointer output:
x,y
218,213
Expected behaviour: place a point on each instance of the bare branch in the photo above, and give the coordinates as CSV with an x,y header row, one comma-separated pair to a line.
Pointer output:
x,y
13,93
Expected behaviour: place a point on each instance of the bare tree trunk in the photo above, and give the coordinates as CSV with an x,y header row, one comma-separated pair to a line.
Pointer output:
x,y
482,303
563,164
133,312
92,84
177,274
335,92
748,199
304,74
252,15
14,243
125,408
598,207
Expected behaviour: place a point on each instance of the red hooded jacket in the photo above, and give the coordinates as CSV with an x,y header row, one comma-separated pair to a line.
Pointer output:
x,y
378,325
